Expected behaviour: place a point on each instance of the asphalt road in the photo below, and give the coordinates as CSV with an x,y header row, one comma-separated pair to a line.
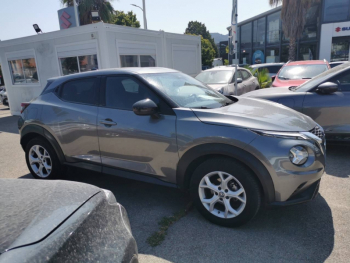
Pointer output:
x,y
314,232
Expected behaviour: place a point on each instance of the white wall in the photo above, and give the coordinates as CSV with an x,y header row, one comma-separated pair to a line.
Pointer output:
x,y
181,52
328,31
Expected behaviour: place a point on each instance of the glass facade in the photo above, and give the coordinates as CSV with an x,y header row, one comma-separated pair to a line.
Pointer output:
x,y
262,40
336,11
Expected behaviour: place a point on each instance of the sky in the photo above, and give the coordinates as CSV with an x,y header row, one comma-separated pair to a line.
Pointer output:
x,y
18,16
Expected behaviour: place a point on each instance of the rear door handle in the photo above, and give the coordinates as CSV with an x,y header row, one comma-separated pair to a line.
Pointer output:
x,y
108,122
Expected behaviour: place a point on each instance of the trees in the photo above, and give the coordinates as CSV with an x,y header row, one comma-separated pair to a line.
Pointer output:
x,y
293,17
85,7
208,52
126,19
197,28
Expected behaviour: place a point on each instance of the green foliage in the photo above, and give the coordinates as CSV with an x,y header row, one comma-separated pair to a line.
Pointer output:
x,y
225,62
227,49
126,19
85,7
197,28
262,75
208,52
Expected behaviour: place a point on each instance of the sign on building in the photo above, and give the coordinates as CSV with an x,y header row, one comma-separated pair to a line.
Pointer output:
x,y
66,18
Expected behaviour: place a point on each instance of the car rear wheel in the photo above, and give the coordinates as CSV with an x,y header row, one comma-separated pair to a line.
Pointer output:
x,y
225,192
42,160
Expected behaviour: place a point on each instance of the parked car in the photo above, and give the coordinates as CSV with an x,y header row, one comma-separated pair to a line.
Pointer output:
x,y
325,98
272,68
61,221
162,126
3,97
298,72
337,63
222,79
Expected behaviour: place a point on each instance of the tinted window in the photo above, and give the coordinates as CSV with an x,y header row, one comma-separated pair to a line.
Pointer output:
x,y
80,91
245,74
123,92
343,80
274,69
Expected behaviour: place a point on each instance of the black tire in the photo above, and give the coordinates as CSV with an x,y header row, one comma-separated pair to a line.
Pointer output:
x,y
245,177
57,170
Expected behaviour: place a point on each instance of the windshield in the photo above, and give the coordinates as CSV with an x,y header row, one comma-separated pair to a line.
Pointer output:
x,y
321,78
215,77
301,71
186,91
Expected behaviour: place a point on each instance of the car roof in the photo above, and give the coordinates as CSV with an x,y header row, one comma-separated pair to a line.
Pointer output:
x,y
113,71
221,68
266,65
338,62
306,62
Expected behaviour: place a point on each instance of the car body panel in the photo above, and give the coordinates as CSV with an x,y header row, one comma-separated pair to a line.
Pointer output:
x,y
98,231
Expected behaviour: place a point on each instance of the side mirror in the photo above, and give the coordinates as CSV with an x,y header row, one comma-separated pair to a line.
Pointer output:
x,y
273,78
145,107
239,80
327,88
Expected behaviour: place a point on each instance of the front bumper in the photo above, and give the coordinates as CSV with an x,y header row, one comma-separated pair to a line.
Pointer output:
x,y
304,196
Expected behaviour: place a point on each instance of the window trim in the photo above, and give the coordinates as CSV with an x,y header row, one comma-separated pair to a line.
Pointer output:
x,y
23,54
98,82
77,57
138,59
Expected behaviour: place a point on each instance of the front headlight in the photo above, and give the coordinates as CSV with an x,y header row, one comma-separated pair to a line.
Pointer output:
x,y
298,155
282,135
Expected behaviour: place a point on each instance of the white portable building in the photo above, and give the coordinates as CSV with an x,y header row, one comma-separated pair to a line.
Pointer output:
x,y
28,62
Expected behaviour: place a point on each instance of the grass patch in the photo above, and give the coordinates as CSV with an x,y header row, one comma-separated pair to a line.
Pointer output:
x,y
158,237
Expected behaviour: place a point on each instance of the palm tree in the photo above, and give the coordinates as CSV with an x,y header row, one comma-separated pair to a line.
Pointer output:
x,y
293,17
85,7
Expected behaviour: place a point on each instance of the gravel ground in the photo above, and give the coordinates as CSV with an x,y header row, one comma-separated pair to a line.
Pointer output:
x,y
314,232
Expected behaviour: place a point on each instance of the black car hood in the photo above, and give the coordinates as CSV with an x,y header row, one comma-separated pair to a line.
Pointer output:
x,y
31,209
257,114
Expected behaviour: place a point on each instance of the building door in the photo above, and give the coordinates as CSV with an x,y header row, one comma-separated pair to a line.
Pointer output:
x,y
340,49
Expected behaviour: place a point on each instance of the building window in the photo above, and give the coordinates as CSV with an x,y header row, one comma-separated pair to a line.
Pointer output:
x,y
312,21
336,10
23,71
272,55
137,61
246,36
340,49
285,53
245,56
273,28
259,32
71,65
308,51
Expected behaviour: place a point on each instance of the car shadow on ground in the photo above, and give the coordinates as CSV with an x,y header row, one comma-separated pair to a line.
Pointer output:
x,y
297,233
7,124
337,156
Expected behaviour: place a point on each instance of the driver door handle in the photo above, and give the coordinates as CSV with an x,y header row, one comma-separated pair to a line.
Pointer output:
x,y
108,122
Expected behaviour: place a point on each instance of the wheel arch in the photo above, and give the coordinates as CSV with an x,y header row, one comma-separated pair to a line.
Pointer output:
x,y
198,154
32,131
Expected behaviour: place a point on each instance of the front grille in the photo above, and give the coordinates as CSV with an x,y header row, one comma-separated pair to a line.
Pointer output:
x,y
318,132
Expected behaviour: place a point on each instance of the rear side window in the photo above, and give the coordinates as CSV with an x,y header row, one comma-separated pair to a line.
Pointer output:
x,y
343,80
245,74
274,69
82,91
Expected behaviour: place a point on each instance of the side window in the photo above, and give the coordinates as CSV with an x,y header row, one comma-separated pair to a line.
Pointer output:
x,y
245,74
123,92
239,76
274,69
343,80
80,91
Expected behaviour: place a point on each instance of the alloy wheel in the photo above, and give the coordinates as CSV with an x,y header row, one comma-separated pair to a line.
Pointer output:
x,y
222,194
40,161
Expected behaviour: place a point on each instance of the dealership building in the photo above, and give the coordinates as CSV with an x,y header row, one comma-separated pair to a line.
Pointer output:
x,y
326,35
28,62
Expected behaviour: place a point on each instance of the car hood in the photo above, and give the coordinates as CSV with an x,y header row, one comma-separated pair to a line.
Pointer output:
x,y
256,114
261,93
32,209
217,86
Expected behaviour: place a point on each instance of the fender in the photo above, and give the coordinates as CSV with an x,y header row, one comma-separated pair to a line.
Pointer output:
x,y
28,131
183,174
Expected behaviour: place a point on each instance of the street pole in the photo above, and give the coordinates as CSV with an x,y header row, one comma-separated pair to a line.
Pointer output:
x,y
76,12
234,37
144,15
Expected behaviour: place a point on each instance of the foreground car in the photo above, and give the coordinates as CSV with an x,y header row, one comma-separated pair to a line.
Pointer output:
x,y
298,72
325,98
161,126
60,221
222,79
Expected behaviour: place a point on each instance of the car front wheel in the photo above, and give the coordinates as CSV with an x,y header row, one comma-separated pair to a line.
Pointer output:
x,y
225,192
42,160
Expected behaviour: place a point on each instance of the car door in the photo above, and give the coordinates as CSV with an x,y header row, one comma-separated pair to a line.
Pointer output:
x,y
71,117
142,144
247,82
331,111
232,89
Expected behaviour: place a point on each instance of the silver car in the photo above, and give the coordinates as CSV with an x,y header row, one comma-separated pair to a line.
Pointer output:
x,y
222,79
325,98
158,125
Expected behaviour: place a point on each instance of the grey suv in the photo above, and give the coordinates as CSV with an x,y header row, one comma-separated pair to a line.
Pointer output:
x,y
161,126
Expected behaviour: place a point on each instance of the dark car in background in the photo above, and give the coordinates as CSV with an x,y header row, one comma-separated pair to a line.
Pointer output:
x,y
61,221
272,68
325,98
337,63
